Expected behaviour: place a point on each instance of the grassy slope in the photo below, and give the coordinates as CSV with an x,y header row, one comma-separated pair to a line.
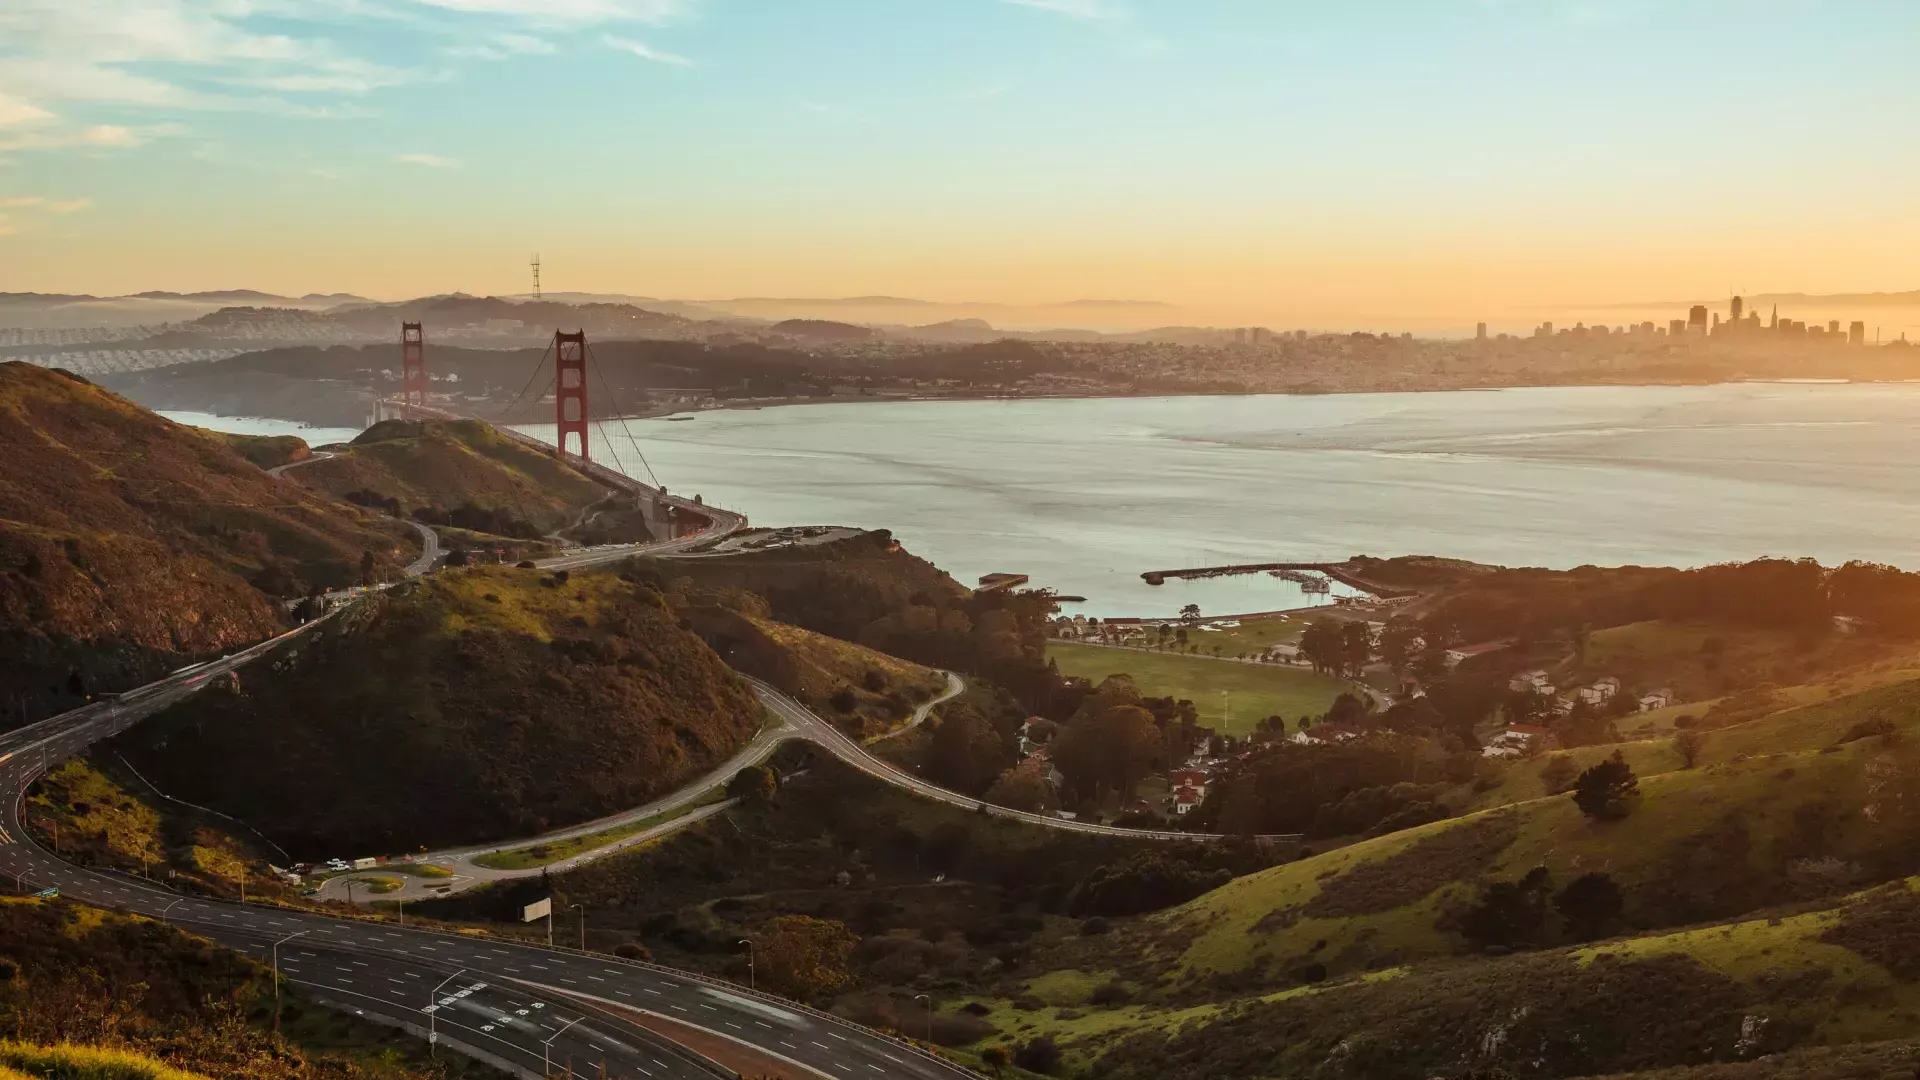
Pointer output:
x,y
445,464
266,451
83,976
104,816
1713,842
1660,653
1254,692
814,668
475,705
1741,989
129,540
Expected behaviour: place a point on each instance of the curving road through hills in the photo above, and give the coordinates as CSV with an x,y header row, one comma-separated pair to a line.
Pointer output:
x,y
517,1005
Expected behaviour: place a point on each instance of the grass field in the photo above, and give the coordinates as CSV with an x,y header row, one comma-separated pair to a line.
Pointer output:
x,y
1252,692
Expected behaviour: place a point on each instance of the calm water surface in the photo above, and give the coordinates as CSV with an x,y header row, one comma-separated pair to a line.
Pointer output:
x,y
1084,495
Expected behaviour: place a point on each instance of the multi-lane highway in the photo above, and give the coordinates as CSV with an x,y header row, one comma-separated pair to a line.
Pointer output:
x,y
503,999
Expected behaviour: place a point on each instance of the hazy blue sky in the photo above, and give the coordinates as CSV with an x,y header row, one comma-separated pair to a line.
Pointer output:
x,y
1322,158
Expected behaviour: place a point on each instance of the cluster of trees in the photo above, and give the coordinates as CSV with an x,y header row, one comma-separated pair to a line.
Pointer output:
x,y
1337,788
1146,882
1514,914
1343,648
1117,737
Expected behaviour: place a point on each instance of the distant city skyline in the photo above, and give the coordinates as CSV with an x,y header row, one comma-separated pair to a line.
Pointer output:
x,y
1292,164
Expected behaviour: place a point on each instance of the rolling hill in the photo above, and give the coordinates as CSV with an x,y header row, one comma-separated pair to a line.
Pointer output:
x,y
479,704
130,542
458,472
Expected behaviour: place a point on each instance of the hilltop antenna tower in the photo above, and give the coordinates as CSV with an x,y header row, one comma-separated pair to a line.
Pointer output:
x,y
536,275
413,365
570,388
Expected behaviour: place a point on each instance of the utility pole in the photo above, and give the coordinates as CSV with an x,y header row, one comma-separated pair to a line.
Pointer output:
x,y
546,1048
433,1010
929,1000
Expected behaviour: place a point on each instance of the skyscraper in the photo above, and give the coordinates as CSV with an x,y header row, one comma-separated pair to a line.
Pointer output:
x,y
1857,333
1697,319
1735,308
1480,331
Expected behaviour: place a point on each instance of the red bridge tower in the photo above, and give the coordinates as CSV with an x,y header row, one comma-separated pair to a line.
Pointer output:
x,y
413,365
570,389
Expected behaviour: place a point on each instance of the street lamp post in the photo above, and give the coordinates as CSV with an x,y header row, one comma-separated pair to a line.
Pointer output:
x,y
753,980
276,977
433,1032
546,1048
583,925
928,998
170,907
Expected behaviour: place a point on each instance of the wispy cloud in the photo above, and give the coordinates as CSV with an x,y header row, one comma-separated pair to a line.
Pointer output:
x,y
502,47
430,161
1079,9
15,111
555,12
644,51
174,57
12,205
97,136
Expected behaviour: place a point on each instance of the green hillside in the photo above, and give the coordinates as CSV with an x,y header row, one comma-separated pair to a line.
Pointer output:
x,y
458,472
87,994
867,693
130,541
475,705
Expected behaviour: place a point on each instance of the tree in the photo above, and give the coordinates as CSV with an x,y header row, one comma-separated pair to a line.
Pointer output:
x,y
366,567
1688,745
1509,912
1021,789
1348,710
802,957
996,1058
966,753
1590,903
755,783
1322,645
1112,750
1356,648
1190,614
1557,774
1605,790
1397,644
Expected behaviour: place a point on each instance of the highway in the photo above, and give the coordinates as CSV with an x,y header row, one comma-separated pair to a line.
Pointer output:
x,y
389,972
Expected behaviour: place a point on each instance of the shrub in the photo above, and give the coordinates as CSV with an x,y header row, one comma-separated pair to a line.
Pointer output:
x,y
1042,1055
1604,791
1874,725
1095,926
1113,993
632,950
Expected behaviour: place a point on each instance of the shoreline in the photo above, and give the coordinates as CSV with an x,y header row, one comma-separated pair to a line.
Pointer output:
x,y
756,404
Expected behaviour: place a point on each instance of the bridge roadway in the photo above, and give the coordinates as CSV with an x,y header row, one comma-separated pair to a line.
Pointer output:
x,y
477,987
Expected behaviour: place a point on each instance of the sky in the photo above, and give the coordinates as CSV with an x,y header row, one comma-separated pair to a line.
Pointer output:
x,y
1288,160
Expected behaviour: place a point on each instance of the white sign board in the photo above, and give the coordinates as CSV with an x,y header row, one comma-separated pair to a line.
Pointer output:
x,y
538,910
